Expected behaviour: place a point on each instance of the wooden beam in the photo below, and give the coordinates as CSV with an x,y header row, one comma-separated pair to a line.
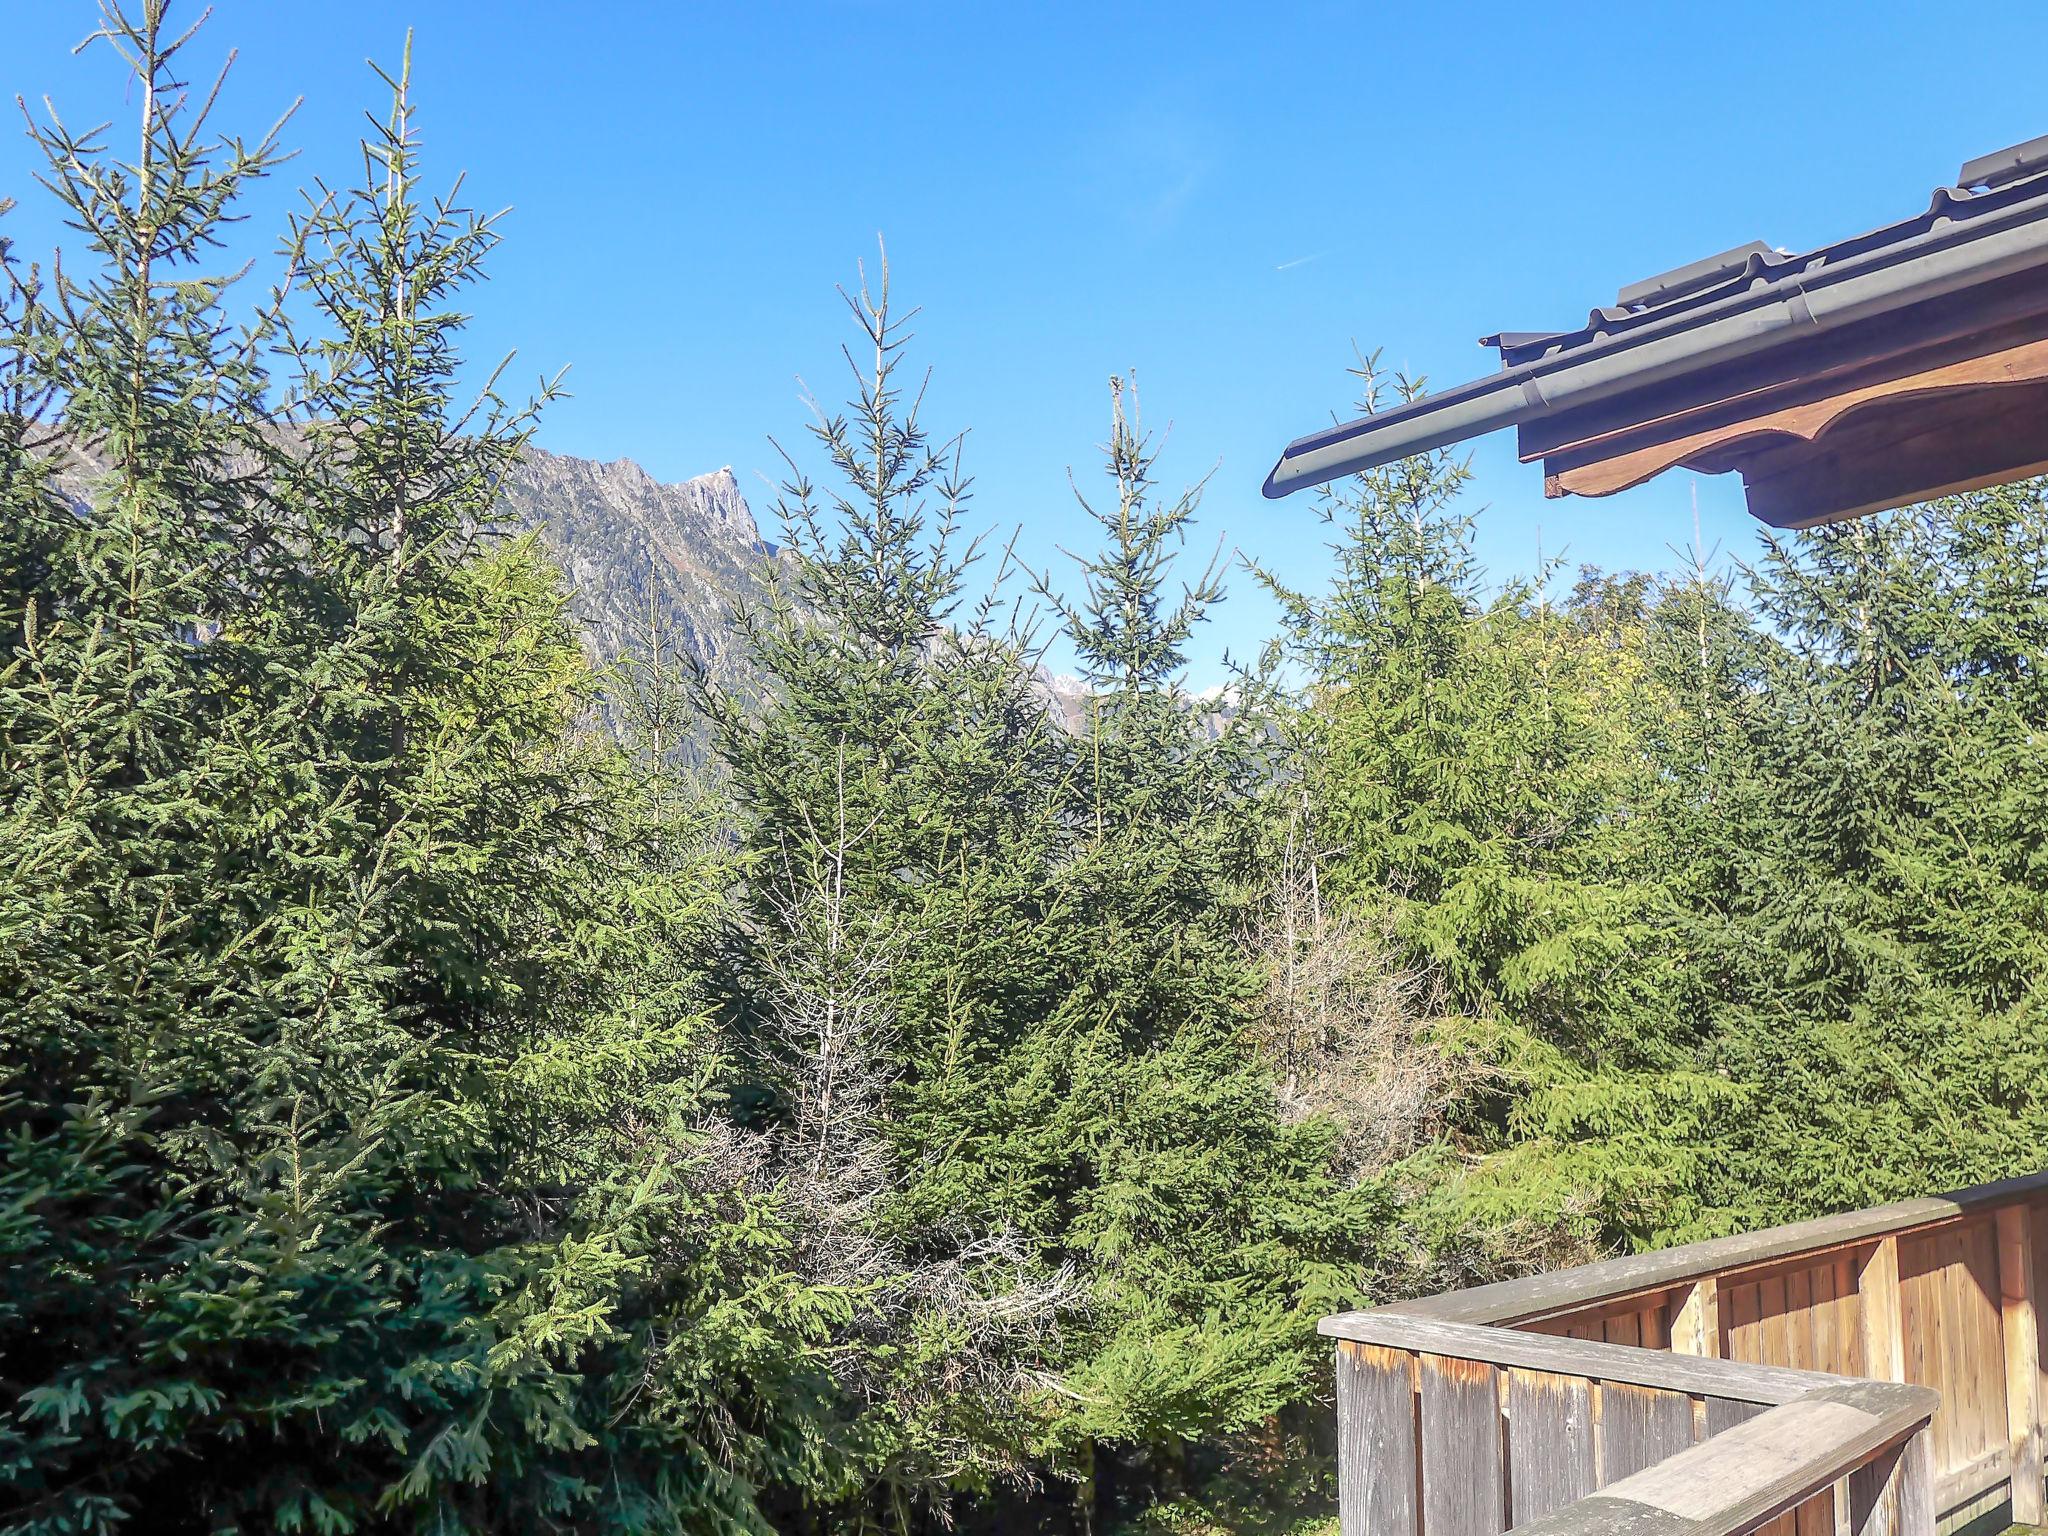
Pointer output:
x,y
1890,457
1696,1326
1877,1294
2022,1360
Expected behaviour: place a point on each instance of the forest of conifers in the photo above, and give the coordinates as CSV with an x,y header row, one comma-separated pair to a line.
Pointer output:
x,y
448,1087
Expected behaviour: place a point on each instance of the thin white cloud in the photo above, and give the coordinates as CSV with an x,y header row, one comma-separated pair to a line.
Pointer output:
x,y
1301,261
1167,152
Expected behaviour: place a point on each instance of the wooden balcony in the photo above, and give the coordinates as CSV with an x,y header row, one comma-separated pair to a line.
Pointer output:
x,y
1860,1375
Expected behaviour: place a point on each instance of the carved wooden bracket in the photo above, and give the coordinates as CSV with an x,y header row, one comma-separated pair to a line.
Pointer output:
x,y
1970,413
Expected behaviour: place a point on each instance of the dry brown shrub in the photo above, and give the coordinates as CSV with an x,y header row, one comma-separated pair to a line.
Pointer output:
x,y
1348,1019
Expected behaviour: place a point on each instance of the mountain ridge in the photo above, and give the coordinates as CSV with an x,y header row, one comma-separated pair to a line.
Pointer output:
x,y
649,560
642,557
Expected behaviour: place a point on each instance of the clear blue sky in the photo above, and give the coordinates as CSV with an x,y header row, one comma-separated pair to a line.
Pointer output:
x,y
1221,197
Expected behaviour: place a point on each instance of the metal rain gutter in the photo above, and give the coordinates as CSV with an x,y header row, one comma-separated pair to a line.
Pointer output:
x,y
1942,259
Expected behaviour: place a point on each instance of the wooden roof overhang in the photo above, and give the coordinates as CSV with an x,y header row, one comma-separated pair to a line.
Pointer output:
x,y
1892,412
1886,369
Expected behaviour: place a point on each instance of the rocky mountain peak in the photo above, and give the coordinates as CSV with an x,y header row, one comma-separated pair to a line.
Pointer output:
x,y
641,556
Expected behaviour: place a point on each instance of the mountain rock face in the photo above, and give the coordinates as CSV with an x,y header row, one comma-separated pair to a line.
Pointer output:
x,y
646,560
642,558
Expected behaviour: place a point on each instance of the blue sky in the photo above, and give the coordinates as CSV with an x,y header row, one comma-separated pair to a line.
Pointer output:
x,y
1220,197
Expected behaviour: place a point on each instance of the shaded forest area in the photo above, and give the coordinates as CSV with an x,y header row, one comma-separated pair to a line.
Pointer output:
x,y
445,1087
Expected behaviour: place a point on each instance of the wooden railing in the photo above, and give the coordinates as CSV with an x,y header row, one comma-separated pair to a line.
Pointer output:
x,y
1860,1375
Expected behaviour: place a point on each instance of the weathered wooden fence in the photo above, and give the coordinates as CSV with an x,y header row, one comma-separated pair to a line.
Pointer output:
x,y
1857,1375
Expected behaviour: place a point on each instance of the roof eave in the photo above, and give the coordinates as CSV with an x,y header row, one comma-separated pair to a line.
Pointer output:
x,y
1942,259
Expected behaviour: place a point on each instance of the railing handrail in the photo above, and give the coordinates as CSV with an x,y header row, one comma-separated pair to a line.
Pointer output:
x,y
1771,1384
1533,1296
1592,1438
1755,1471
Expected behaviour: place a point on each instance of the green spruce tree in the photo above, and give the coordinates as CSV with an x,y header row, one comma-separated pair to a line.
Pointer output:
x,y
355,1134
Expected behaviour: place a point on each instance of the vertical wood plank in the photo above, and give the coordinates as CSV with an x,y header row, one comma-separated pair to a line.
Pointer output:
x,y
1726,1413
1774,1326
2019,1331
1799,1319
1650,1331
1639,1427
1969,1376
1926,1319
1623,1328
1877,1294
1826,1351
1696,1326
2038,1242
1376,1441
1816,1517
1925,1345
1550,1442
1848,1321
1976,1344
1893,1495
1916,1487
1874,1495
1462,1464
1738,1311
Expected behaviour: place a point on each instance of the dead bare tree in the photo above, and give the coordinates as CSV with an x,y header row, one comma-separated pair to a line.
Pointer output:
x,y
984,1305
1354,1027
1345,1015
